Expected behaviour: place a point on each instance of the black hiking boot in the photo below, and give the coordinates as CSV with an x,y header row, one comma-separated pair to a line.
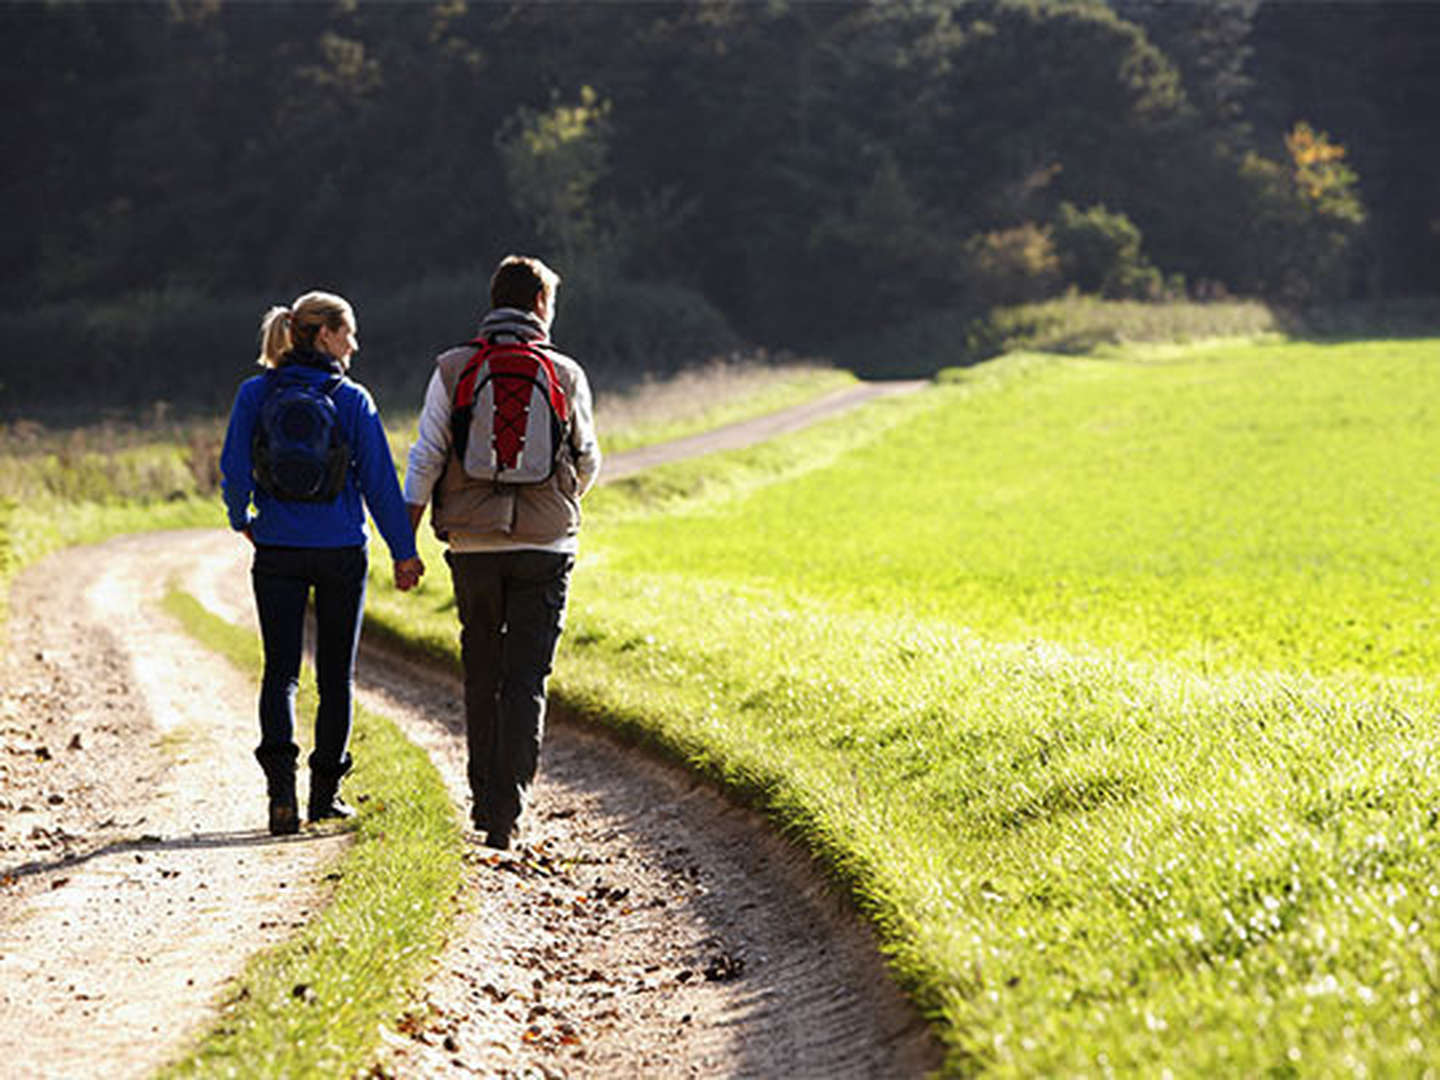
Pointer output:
x,y
325,801
500,837
332,809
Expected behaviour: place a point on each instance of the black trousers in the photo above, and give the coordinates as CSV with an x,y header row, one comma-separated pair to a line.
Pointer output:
x,y
512,611
284,579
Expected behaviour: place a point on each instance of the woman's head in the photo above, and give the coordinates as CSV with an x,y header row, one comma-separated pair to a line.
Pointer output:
x,y
314,322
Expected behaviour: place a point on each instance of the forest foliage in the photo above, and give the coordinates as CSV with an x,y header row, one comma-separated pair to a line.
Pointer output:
x,y
705,175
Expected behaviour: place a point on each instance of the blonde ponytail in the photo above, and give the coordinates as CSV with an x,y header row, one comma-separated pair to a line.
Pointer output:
x,y
274,336
284,329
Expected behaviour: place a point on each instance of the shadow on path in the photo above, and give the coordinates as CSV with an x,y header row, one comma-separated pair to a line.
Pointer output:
x,y
246,838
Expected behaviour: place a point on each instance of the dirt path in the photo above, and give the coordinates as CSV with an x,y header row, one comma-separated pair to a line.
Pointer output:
x,y
133,877
749,432
645,927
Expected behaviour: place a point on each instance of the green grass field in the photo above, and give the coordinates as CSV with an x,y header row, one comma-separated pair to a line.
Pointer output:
x,y
1103,683
1250,505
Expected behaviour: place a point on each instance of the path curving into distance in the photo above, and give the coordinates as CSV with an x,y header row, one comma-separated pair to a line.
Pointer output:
x,y
647,926
749,432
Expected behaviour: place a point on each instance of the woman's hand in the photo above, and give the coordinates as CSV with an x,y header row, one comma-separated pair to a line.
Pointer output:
x,y
408,573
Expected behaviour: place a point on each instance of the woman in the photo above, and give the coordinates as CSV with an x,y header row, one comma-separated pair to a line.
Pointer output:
x,y
310,538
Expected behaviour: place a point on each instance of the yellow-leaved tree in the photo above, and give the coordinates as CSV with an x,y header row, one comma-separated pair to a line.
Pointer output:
x,y
1308,219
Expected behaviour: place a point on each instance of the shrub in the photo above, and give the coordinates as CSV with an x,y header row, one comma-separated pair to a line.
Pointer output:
x,y
1011,266
1306,218
1100,252
916,348
120,356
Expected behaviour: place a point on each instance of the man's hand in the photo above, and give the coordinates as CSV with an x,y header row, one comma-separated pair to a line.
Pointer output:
x,y
408,573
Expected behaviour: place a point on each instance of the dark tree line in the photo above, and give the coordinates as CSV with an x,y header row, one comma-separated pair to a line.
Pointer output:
x,y
796,170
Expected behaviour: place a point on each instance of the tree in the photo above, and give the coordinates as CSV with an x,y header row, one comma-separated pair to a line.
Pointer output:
x,y
896,255
553,161
1308,216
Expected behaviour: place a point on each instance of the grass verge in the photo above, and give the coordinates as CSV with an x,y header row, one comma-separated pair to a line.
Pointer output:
x,y
32,528
315,1005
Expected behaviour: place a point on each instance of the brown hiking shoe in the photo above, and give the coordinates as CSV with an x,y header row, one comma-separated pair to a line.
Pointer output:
x,y
284,817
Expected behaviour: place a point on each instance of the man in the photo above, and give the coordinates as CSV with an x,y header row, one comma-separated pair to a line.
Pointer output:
x,y
510,546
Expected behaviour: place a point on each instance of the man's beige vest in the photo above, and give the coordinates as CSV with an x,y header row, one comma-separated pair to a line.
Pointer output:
x,y
528,514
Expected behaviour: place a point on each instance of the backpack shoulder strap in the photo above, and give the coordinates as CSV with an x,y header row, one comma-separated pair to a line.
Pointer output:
x,y
465,384
558,401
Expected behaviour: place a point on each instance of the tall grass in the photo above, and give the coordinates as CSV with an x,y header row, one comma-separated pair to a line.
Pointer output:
x,y
720,392
77,485
1073,324
157,460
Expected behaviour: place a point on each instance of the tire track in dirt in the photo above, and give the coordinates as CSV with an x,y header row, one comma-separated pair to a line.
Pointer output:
x,y
137,875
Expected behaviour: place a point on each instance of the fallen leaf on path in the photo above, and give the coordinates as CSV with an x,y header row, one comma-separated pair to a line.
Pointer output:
x,y
724,967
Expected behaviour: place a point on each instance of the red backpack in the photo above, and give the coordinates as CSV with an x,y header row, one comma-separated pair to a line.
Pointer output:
x,y
510,416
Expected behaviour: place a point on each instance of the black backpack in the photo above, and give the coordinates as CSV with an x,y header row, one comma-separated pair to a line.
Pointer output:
x,y
298,451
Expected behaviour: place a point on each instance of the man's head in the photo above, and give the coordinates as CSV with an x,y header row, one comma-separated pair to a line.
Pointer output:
x,y
524,282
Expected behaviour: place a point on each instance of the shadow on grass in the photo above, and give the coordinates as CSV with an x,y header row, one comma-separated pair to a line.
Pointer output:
x,y
1411,318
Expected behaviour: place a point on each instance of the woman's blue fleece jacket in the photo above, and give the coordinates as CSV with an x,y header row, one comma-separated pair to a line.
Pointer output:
x,y
371,476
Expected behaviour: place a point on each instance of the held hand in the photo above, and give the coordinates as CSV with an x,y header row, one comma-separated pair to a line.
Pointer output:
x,y
408,573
